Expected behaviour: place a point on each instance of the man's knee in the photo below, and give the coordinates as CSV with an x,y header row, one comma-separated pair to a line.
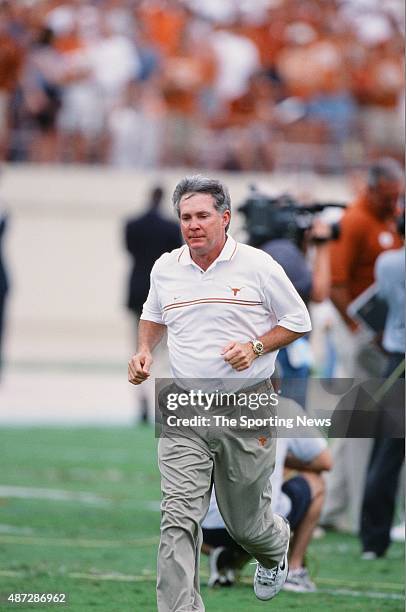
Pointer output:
x,y
316,483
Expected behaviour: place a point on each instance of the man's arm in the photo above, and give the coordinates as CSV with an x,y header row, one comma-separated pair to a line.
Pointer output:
x,y
340,296
321,279
241,355
321,463
321,276
149,335
278,337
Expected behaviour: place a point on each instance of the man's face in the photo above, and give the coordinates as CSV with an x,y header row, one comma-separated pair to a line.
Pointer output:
x,y
203,228
385,197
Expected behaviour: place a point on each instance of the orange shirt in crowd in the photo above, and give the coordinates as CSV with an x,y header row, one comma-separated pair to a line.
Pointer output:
x,y
363,236
310,69
379,81
163,24
68,43
184,76
11,58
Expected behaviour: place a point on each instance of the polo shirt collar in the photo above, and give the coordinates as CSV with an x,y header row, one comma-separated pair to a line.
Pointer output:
x,y
226,254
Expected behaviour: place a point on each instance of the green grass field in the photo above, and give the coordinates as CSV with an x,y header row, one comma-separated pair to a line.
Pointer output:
x,y
79,513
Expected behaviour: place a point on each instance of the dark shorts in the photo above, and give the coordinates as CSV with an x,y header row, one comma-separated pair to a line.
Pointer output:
x,y
299,492
219,537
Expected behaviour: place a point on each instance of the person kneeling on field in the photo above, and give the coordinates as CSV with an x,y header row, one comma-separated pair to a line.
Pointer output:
x,y
299,498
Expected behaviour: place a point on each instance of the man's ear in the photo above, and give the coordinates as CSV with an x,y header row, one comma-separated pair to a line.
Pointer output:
x,y
226,217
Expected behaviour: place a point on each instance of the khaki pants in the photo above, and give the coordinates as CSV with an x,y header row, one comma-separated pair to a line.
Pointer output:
x,y
240,468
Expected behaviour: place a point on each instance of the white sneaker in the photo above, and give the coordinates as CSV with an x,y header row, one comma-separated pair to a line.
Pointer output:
x,y
227,578
298,580
397,533
268,582
369,555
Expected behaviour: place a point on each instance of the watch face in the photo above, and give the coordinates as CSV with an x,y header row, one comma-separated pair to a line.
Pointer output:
x,y
258,347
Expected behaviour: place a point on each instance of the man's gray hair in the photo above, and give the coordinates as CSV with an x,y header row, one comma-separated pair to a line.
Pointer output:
x,y
387,169
202,184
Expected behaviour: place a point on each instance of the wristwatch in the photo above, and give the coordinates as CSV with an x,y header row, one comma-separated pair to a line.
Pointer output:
x,y
257,347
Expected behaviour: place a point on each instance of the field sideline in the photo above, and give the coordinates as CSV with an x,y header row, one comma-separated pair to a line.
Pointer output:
x,y
79,513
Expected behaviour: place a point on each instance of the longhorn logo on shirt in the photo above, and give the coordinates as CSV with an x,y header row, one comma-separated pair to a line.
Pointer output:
x,y
235,290
262,440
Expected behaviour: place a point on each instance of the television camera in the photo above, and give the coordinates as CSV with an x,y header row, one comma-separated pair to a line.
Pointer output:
x,y
270,218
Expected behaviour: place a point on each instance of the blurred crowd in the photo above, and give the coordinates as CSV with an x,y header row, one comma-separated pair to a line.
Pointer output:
x,y
237,85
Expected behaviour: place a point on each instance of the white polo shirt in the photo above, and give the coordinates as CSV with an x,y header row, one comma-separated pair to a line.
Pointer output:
x,y
242,295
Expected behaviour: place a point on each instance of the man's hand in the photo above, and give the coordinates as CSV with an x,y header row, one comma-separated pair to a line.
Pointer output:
x,y
139,366
340,296
320,232
238,355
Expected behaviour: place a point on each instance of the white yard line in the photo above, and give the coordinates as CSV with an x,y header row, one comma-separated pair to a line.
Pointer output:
x,y
367,594
12,529
356,585
78,543
70,496
12,574
52,494
113,576
154,505
351,587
